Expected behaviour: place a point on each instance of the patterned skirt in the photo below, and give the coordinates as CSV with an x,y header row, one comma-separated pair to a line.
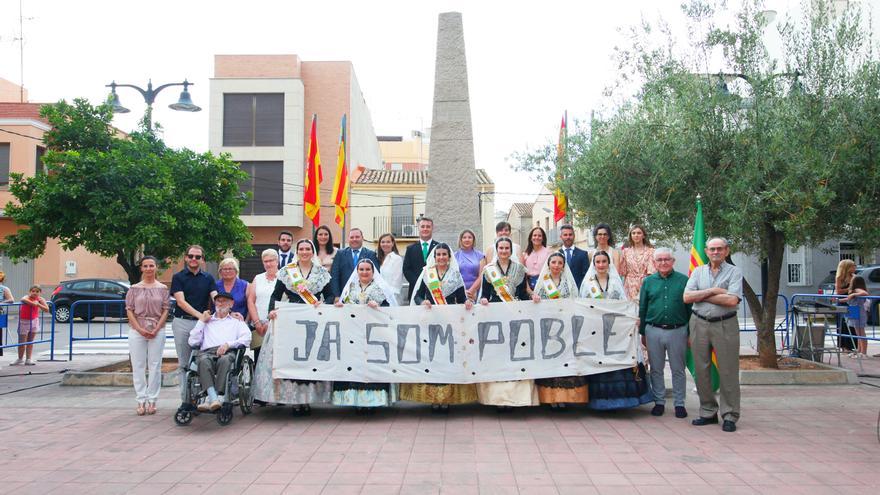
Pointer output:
x,y
567,390
513,394
438,393
364,394
284,391
620,389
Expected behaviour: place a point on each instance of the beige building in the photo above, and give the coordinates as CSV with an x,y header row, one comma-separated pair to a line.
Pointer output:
x,y
393,200
525,216
261,109
400,154
21,146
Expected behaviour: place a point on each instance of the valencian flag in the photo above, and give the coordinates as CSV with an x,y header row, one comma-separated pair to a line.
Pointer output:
x,y
340,183
698,258
560,204
312,190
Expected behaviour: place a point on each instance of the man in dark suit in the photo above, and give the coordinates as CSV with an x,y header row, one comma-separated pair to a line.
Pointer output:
x,y
346,259
577,259
417,253
285,255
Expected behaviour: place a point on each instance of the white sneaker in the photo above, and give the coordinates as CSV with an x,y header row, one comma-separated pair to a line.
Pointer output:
x,y
17,362
30,362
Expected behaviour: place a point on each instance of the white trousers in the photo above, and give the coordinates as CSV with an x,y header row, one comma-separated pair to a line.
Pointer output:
x,y
146,355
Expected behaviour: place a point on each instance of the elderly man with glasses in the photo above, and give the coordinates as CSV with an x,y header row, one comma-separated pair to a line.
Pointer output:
x,y
192,289
663,323
715,290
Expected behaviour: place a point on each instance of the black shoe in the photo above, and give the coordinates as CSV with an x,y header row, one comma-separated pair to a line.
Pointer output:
x,y
701,421
658,410
681,412
306,410
186,407
728,426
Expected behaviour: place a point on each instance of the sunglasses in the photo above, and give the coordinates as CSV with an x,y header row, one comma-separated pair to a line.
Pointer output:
x,y
194,256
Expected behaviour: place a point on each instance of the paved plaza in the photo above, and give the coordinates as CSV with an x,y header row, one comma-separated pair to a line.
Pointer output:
x,y
791,439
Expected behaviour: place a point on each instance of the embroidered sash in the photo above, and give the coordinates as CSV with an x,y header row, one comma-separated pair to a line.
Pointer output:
x,y
497,281
299,283
434,285
549,287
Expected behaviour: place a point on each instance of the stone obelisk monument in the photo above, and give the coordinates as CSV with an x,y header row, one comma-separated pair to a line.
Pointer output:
x,y
452,200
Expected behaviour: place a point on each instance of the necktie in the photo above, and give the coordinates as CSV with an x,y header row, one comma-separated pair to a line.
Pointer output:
x,y
283,259
355,254
567,256
424,251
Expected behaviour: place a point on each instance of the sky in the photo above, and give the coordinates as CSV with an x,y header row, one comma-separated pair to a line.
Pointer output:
x,y
528,62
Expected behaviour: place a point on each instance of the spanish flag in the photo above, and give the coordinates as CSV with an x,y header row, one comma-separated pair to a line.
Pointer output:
x,y
340,183
312,190
698,258
560,204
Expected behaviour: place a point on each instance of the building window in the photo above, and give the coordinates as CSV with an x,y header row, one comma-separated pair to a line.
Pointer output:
x,y
799,263
253,119
403,222
39,166
4,164
849,251
265,182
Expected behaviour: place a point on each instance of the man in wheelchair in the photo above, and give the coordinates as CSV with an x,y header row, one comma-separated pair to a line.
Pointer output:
x,y
214,339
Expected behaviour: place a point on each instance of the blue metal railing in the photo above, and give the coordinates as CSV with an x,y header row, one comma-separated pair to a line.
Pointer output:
x,y
8,310
782,327
91,309
872,316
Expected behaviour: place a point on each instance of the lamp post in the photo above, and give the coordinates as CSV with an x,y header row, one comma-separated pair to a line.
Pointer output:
x,y
184,103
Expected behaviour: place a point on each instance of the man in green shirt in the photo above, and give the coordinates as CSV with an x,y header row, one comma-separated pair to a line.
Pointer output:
x,y
663,323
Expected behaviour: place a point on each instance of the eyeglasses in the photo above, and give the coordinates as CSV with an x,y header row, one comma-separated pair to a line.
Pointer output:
x,y
663,260
227,269
194,256
722,248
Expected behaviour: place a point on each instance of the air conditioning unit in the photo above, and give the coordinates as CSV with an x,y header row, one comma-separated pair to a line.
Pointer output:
x,y
409,230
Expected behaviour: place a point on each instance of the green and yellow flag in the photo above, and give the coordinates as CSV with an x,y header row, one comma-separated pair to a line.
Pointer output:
x,y
698,258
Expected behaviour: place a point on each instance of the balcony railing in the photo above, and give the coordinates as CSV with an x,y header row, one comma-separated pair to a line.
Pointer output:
x,y
400,226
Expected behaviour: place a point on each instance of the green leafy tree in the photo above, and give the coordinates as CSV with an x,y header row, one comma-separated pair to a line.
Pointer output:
x,y
783,152
124,196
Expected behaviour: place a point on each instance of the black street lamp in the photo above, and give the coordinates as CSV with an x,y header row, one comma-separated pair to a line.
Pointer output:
x,y
184,103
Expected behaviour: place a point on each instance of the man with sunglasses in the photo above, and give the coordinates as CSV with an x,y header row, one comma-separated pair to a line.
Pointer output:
x,y
192,289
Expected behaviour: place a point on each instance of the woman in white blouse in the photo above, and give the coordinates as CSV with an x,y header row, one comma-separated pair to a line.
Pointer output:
x,y
390,263
258,295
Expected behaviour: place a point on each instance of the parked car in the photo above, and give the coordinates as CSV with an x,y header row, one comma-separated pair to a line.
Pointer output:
x,y
91,289
871,274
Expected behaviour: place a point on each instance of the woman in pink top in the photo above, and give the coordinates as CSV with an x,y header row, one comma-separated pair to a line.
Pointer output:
x,y
147,307
534,256
636,262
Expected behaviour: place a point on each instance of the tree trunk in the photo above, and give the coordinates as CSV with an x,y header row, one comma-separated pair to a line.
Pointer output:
x,y
763,310
128,264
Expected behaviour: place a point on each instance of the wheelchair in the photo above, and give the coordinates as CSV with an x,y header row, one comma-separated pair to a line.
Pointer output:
x,y
238,389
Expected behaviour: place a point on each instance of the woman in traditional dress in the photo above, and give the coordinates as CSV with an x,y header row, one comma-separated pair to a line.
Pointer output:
x,y
557,282
603,240
440,283
471,262
534,256
504,280
619,389
323,242
365,287
304,281
390,263
636,262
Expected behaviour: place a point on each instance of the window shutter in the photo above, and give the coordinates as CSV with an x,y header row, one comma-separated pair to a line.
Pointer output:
x,y
269,119
238,120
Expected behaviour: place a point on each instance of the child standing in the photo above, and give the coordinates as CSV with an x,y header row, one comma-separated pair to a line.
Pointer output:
x,y
858,318
29,324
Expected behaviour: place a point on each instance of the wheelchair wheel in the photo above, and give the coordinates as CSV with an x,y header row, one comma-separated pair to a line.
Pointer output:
x,y
183,418
245,382
224,416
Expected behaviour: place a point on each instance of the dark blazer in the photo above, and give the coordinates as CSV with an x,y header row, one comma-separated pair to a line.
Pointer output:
x,y
343,266
413,263
580,263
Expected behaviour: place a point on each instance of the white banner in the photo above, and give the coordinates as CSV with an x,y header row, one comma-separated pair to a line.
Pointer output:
x,y
448,344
